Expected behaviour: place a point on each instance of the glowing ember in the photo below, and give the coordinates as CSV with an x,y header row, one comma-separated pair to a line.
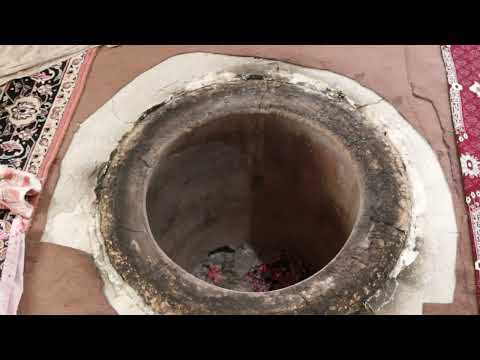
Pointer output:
x,y
240,269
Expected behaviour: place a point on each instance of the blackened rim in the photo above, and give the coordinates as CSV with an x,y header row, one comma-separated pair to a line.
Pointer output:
x,y
360,268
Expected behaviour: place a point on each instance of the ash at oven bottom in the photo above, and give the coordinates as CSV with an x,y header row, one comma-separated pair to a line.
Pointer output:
x,y
241,269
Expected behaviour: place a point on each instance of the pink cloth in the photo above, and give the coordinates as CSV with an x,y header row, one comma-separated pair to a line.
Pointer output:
x,y
15,187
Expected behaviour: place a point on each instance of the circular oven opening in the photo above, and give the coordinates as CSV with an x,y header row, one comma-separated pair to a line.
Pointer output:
x,y
253,202
288,197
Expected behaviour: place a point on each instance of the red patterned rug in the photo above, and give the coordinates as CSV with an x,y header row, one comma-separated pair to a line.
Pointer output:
x,y
462,63
35,112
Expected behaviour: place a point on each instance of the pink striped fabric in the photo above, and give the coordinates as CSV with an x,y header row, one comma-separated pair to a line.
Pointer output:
x,y
16,189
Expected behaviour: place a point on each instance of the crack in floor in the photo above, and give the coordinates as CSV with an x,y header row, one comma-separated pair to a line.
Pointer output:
x,y
443,130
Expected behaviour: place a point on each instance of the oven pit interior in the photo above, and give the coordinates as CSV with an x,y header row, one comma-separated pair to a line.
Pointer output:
x,y
253,202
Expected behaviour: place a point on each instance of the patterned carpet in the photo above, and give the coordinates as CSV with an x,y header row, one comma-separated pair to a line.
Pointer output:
x,y
34,114
462,63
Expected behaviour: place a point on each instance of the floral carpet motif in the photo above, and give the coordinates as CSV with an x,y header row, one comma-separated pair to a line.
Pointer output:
x,y
34,114
462,63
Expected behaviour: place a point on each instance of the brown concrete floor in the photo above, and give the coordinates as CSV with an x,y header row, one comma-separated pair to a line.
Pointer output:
x,y
60,280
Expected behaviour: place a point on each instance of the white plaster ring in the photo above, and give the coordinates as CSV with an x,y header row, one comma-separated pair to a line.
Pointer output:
x,y
72,218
